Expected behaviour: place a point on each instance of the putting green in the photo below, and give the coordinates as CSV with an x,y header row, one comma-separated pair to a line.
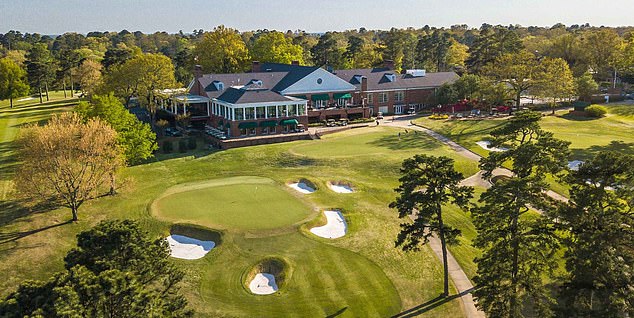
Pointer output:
x,y
240,203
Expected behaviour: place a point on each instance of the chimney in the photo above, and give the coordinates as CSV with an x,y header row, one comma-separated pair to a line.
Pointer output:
x,y
256,67
198,71
364,84
295,62
389,64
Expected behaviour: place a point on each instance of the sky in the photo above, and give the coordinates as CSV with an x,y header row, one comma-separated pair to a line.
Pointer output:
x,y
148,16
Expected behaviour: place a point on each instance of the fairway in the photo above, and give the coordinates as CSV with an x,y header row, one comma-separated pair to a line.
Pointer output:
x,y
247,203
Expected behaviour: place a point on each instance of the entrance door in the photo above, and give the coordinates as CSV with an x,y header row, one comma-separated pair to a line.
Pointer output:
x,y
399,109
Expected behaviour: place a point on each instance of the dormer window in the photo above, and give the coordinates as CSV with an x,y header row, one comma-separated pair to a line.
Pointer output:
x,y
356,79
219,85
390,77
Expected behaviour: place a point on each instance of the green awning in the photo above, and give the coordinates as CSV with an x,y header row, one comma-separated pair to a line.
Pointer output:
x,y
289,122
342,96
320,97
301,96
248,125
268,123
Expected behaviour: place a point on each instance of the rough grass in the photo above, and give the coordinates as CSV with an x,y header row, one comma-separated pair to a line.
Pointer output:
x,y
361,274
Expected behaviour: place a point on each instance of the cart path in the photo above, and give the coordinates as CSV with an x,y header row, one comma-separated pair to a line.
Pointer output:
x,y
458,276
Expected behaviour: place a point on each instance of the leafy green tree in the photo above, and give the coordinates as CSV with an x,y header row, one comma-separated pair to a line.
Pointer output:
x,y
427,184
116,270
457,55
40,68
13,82
490,44
517,248
135,137
599,254
116,56
433,50
556,82
329,50
221,51
585,86
603,48
68,61
520,71
275,47
467,86
446,94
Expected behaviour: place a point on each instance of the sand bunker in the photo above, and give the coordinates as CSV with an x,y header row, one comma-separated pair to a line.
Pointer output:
x,y
189,248
263,284
335,227
340,187
302,187
487,145
574,165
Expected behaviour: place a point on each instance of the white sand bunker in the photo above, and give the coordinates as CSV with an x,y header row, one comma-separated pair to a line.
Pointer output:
x,y
263,284
340,188
189,248
302,187
485,144
574,165
335,227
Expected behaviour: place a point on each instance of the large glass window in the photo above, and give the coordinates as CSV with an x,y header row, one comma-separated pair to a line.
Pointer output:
x,y
292,110
249,113
264,130
252,132
260,112
282,110
383,98
239,113
301,110
271,112
370,99
243,131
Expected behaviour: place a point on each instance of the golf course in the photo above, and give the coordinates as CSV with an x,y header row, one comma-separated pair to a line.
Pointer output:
x,y
243,199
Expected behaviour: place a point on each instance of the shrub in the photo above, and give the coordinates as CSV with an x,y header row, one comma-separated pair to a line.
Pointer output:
x,y
182,146
596,111
191,143
167,146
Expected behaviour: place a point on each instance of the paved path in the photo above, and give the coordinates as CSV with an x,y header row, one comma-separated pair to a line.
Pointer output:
x,y
458,276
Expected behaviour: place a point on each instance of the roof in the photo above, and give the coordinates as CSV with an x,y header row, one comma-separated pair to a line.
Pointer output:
x,y
377,79
191,99
252,95
294,73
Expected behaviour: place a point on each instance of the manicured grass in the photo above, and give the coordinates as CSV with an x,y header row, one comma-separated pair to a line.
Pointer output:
x,y
248,203
361,274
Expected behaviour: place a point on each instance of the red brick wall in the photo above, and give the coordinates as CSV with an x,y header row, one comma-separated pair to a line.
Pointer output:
x,y
412,97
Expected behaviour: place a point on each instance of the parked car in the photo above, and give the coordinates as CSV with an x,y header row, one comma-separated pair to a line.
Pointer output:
x,y
331,123
379,115
300,128
411,111
342,122
173,132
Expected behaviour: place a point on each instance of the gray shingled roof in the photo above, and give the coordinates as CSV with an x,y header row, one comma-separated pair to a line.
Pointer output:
x,y
377,81
269,79
248,96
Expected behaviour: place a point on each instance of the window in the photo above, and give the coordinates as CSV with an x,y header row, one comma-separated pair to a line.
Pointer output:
x,y
301,110
321,103
271,112
264,130
272,130
243,131
260,112
249,113
292,110
282,110
252,132
370,99
239,113
383,98
399,96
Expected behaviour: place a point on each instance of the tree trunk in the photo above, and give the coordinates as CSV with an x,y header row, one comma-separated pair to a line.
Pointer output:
x,y
113,184
64,85
46,87
39,89
443,244
73,209
11,102
72,86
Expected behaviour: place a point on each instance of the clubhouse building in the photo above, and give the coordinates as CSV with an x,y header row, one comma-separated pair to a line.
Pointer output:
x,y
275,98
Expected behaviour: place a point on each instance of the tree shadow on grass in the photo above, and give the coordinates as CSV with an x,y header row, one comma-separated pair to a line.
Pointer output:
x,y
615,145
7,237
411,140
11,211
429,305
337,313
573,117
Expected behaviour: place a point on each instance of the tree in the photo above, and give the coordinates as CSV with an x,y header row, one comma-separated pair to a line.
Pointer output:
x,y
427,184
329,50
517,248
66,161
141,76
467,86
275,47
116,56
457,55
13,82
598,222
603,47
40,67
556,81
89,76
433,50
116,270
490,44
221,51
136,138
520,71
585,86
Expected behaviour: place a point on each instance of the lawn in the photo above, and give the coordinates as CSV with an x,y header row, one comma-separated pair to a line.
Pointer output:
x,y
248,203
361,274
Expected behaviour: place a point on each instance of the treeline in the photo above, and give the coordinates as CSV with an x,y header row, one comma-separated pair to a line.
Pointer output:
x,y
602,50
